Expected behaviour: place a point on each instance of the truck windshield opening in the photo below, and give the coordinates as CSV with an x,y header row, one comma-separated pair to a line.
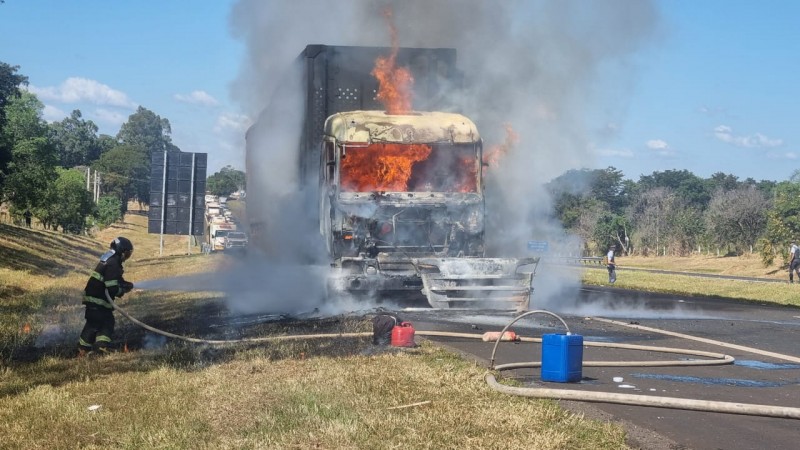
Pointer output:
x,y
410,168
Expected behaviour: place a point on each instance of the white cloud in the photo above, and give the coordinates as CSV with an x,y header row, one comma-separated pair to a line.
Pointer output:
x,y
620,152
110,117
712,111
52,114
725,134
660,146
791,156
657,144
197,98
232,122
76,90
609,130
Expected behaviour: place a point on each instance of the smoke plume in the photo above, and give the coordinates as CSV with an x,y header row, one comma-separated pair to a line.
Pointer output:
x,y
551,70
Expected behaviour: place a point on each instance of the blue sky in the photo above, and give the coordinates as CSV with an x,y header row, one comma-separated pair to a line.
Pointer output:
x,y
106,58
715,89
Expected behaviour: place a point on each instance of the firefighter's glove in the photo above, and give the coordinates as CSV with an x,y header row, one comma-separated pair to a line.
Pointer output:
x,y
126,286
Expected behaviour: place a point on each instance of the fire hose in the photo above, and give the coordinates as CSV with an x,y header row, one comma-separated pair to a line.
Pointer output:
x,y
557,394
634,399
227,341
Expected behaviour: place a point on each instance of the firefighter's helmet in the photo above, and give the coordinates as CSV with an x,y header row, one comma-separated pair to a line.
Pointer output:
x,y
122,245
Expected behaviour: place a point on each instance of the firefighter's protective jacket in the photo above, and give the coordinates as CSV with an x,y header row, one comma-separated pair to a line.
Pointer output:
x,y
107,275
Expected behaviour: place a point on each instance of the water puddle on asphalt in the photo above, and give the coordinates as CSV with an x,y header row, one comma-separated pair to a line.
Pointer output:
x,y
715,381
761,365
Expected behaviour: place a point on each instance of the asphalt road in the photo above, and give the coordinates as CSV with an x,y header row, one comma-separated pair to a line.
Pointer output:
x,y
754,378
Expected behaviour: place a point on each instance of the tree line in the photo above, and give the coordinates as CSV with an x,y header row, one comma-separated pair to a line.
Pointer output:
x,y
44,166
675,212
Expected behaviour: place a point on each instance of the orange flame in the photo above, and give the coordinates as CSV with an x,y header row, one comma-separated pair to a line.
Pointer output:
x,y
26,328
394,83
381,167
493,156
468,181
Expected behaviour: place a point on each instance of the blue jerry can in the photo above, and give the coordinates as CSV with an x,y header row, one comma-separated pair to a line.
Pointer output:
x,y
562,357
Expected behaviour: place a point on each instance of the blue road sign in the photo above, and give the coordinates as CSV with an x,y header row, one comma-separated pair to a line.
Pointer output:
x,y
537,246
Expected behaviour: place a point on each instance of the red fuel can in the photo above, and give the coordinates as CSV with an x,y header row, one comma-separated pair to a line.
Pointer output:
x,y
403,335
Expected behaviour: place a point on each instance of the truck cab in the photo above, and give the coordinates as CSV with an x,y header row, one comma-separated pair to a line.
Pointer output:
x,y
217,233
398,187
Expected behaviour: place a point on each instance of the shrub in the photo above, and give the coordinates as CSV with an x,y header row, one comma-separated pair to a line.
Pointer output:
x,y
109,210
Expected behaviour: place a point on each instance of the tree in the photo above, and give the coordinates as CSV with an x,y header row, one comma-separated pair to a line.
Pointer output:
x,y
31,169
685,227
783,222
612,229
149,133
737,217
76,140
585,225
608,187
31,172
226,181
10,82
650,215
572,190
24,118
106,143
68,202
123,169
686,185
721,181
569,209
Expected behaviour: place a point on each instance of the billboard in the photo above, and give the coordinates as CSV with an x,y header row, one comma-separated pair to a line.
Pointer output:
x,y
177,193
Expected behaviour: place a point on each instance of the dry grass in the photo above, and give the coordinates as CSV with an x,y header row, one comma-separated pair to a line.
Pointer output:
x,y
748,265
332,393
325,394
321,402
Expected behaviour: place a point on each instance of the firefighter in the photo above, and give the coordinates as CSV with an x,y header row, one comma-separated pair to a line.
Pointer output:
x,y
105,279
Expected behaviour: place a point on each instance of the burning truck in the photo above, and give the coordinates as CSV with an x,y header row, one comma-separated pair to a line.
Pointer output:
x,y
397,193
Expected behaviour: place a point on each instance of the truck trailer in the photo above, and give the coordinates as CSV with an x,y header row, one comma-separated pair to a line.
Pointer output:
x,y
398,198
217,232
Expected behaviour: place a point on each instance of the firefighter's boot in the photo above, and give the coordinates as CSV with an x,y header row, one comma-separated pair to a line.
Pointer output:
x,y
104,351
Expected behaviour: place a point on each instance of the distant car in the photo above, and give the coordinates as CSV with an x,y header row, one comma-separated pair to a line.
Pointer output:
x,y
235,240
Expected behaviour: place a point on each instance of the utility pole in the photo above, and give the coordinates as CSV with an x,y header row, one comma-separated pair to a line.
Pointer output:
x,y
163,204
191,207
96,187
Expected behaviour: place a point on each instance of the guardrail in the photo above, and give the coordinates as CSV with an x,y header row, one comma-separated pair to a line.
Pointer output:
x,y
580,260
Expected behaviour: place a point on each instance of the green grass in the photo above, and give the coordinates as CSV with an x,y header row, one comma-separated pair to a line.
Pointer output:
x,y
766,292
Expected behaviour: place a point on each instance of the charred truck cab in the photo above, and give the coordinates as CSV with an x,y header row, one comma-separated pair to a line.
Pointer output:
x,y
397,198
396,188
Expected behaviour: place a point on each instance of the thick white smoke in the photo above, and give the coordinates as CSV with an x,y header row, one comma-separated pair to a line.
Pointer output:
x,y
548,69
